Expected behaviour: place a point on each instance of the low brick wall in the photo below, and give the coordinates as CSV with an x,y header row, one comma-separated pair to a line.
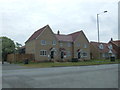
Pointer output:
x,y
19,57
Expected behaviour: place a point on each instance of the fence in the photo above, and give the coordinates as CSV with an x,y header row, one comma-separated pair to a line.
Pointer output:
x,y
19,57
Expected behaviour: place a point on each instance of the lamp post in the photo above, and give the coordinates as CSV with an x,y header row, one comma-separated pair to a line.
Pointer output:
x,y
98,24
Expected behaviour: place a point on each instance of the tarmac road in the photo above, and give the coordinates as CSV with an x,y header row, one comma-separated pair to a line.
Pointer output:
x,y
98,76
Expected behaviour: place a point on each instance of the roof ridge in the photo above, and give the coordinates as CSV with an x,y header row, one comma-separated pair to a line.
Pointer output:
x,y
61,34
98,42
75,35
75,32
116,41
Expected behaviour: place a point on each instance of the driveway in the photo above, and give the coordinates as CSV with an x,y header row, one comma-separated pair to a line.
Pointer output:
x,y
98,76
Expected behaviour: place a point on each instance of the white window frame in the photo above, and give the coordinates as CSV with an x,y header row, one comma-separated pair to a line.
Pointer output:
x,y
61,44
103,55
85,53
54,42
85,45
68,53
43,52
110,47
101,46
43,41
69,44
78,44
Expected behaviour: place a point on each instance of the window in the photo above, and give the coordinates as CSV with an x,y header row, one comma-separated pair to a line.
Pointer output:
x,y
68,53
106,55
43,42
101,46
61,44
78,44
43,52
84,54
85,46
69,44
54,42
110,47
103,55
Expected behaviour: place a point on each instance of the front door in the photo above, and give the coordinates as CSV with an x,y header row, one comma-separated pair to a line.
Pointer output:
x,y
79,55
62,55
52,55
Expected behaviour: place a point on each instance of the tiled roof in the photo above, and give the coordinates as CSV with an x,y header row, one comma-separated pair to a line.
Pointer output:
x,y
69,38
36,34
75,34
105,47
117,42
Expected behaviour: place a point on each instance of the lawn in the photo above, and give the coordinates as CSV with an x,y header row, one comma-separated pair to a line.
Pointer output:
x,y
63,64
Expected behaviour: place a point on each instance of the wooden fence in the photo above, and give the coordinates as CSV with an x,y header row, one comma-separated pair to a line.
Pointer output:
x,y
19,57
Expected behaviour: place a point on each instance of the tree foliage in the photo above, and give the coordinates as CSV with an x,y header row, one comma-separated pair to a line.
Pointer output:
x,y
8,46
17,47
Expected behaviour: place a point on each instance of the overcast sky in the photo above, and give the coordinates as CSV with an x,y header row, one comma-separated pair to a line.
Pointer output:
x,y
19,19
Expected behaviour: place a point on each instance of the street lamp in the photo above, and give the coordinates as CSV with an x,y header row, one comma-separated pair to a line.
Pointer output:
x,y
98,24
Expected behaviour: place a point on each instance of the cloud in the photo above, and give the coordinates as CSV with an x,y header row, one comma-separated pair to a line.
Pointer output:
x,y
21,18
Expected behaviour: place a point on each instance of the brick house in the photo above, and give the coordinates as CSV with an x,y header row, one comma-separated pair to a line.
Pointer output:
x,y
46,46
116,46
101,50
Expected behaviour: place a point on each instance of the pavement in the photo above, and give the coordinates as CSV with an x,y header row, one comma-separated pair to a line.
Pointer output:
x,y
98,76
7,66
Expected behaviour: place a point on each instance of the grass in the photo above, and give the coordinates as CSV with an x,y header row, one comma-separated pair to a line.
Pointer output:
x,y
61,64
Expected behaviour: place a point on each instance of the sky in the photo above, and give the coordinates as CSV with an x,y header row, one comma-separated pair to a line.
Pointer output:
x,y
19,19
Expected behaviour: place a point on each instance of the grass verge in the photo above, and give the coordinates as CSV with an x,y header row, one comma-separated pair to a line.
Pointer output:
x,y
63,64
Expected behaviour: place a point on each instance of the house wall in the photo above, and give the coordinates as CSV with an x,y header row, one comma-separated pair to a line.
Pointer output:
x,y
94,52
82,40
30,47
48,36
67,49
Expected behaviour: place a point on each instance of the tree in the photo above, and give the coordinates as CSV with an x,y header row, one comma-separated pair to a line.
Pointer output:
x,y
8,47
17,47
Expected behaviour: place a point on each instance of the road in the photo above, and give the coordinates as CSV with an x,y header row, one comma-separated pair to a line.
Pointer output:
x,y
98,76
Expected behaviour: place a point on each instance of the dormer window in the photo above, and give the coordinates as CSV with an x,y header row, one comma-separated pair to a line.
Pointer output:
x,y
101,46
110,47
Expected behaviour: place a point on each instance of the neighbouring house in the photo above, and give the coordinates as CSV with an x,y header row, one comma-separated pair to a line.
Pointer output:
x,y
116,46
101,50
47,46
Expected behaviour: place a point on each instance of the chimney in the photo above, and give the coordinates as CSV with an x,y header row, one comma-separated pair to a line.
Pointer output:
x,y
58,32
111,39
